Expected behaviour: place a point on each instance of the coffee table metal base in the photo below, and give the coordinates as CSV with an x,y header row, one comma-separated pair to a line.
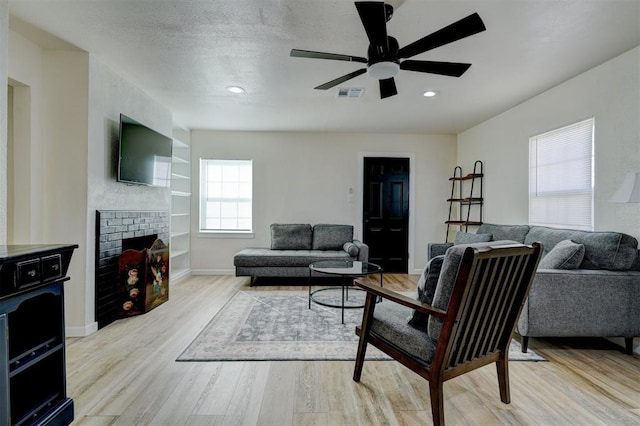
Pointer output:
x,y
346,284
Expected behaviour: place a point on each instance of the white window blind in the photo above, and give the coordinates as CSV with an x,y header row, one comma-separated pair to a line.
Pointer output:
x,y
561,177
226,192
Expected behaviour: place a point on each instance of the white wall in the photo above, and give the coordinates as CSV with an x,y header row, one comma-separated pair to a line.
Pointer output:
x,y
610,93
4,53
109,95
25,76
74,102
64,129
305,177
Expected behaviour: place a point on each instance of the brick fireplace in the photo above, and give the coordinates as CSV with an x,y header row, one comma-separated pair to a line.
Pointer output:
x,y
112,228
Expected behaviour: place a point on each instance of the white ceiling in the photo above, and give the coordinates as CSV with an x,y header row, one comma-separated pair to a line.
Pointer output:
x,y
184,53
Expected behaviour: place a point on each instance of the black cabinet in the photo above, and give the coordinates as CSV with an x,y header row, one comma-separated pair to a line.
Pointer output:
x,y
32,345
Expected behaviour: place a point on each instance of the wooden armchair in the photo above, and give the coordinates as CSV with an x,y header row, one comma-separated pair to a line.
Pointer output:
x,y
478,298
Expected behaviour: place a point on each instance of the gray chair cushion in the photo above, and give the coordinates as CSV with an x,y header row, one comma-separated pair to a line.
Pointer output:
x,y
505,232
390,323
447,281
565,255
331,237
426,289
291,237
469,238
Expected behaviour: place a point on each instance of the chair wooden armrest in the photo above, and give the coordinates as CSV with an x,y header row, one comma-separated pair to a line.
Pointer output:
x,y
374,288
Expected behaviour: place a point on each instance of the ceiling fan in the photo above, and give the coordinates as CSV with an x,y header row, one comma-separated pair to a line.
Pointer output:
x,y
385,58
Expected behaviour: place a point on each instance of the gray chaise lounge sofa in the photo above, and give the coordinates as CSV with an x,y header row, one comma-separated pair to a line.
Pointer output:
x,y
589,286
295,246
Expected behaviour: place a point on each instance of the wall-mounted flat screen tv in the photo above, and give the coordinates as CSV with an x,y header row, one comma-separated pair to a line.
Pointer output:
x,y
144,155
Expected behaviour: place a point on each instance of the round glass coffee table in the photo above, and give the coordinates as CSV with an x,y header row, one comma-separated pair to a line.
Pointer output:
x,y
347,270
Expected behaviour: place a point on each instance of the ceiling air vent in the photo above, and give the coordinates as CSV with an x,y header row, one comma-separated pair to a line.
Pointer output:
x,y
352,92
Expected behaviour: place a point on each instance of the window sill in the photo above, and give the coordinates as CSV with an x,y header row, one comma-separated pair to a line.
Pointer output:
x,y
225,234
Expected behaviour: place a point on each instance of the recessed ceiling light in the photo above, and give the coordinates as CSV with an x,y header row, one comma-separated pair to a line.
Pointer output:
x,y
235,89
430,93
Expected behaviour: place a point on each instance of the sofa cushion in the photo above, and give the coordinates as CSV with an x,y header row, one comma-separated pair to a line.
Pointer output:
x,y
469,238
290,236
426,289
505,232
331,237
264,257
602,250
565,255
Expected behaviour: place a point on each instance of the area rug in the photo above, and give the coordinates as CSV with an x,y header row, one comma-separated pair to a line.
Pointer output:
x,y
279,325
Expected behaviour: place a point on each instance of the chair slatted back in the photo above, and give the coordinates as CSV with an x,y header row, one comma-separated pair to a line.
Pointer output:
x,y
490,296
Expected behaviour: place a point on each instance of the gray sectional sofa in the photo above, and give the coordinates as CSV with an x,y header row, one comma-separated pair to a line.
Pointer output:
x,y
587,283
295,246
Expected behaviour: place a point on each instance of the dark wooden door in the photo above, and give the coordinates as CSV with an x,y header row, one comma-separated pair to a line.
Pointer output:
x,y
386,212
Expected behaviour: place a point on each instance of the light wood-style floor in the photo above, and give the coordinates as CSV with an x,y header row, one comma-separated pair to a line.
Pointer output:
x,y
126,374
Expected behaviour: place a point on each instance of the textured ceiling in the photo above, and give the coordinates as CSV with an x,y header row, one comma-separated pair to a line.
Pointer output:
x,y
184,53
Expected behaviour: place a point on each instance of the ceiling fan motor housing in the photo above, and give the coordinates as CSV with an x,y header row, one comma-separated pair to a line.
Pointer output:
x,y
383,62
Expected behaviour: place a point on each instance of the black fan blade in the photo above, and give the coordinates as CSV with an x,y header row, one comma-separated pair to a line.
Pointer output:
x,y
452,69
342,79
465,27
374,19
388,88
297,53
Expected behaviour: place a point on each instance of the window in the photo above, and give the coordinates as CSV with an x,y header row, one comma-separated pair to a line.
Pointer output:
x,y
561,177
226,195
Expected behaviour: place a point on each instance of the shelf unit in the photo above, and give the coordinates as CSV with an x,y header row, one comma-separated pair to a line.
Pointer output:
x,y
469,200
180,264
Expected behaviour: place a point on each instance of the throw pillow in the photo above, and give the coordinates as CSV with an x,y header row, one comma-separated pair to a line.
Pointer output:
x,y
426,289
469,238
565,255
351,248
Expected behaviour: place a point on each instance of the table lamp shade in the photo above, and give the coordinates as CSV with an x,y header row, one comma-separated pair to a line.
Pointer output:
x,y
629,191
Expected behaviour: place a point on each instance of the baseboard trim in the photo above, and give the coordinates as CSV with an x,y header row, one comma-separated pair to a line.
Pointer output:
x,y
81,331
179,276
213,272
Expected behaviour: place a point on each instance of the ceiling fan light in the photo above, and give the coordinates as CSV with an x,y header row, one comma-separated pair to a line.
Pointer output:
x,y
430,93
383,70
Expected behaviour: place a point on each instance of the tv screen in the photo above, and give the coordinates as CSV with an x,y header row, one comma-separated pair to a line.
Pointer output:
x,y
145,155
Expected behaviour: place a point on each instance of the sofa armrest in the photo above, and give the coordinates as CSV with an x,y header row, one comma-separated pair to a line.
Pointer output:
x,y
363,251
437,249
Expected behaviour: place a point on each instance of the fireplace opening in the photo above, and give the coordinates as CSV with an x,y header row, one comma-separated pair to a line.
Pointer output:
x,y
138,243
112,228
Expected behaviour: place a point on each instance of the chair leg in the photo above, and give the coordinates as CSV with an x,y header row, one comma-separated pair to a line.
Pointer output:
x,y
524,342
502,368
367,317
437,402
628,344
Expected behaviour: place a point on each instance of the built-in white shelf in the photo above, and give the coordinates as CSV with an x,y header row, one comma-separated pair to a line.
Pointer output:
x,y
180,160
180,264
176,253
